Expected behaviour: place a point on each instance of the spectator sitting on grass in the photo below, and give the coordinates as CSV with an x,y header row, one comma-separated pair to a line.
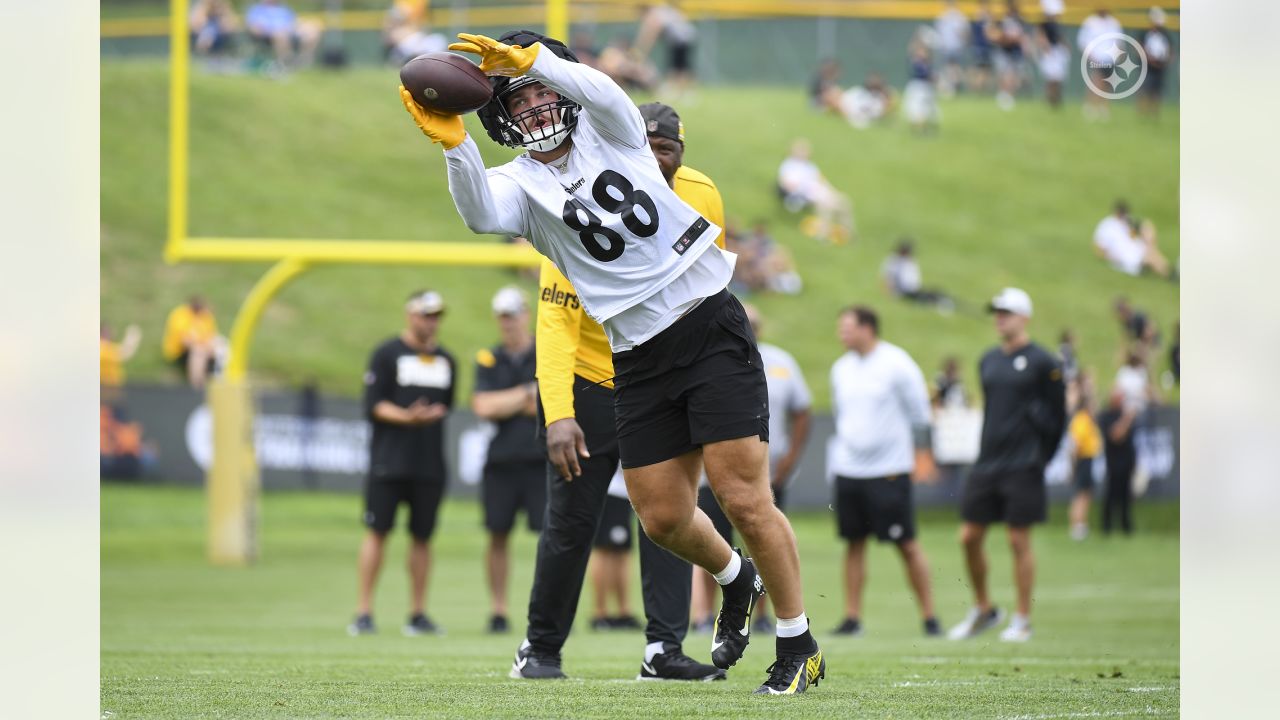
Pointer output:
x,y
867,103
273,24
1129,244
948,386
802,185
901,274
213,24
191,340
763,265
824,91
404,33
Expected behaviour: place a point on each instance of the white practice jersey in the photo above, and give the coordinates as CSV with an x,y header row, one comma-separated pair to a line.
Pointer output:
x,y
878,399
603,214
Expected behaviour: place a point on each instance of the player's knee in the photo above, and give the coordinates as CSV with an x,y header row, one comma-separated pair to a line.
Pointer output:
x,y
971,536
746,513
662,525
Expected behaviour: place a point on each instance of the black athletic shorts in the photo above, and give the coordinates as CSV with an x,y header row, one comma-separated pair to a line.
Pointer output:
x,y
1015,497
1083,475
383,495
709,505
614,531
681,57
505,489
879,505
697,382
1154,84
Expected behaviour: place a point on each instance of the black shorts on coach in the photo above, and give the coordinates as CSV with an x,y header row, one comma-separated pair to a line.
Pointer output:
x,y
1015,497
509,488
615,529
875,506
383,495
697,382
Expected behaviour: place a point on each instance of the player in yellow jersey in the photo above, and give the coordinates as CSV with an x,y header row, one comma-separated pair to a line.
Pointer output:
x,y
575,383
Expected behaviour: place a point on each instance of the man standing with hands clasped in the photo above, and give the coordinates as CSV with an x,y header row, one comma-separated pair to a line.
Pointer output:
x,y
1023,418
408,391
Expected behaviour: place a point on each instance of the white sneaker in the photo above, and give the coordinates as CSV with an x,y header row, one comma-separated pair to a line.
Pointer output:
x,y
1079,532
975,623
1019,630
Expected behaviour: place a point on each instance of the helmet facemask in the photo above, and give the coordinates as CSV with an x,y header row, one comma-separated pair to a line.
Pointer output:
x,y
522,128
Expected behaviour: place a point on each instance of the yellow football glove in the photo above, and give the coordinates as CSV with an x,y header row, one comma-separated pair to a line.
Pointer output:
x,y
498,58
442,128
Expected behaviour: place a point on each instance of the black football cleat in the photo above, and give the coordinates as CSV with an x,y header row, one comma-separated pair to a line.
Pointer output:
x,y
793,674
732,630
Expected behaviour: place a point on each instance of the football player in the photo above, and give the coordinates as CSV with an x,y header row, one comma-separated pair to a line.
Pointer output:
x,y
689,385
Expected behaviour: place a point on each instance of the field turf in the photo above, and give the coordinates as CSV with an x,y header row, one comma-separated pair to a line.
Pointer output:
x,y
182,639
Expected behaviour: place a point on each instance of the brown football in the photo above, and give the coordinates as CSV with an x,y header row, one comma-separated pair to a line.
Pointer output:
x,y
446,83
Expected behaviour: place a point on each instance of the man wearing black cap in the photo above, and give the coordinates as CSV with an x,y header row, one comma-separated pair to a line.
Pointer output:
x,y
575,385
1023,419
408,391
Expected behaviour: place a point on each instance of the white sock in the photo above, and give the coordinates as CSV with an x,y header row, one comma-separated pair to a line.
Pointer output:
x,y
730,571
1019,621
792,627
653,648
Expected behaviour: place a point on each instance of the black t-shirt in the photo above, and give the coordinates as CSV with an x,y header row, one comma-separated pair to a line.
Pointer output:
x,y
517,441
1024,413
401,375
1119,454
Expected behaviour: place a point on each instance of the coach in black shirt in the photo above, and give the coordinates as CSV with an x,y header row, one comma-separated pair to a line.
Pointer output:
x,y
515,468
408,391
1023,420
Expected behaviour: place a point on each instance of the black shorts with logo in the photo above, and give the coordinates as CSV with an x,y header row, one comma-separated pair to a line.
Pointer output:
x,y
709,505
1015,497
508,488
383,495
1082,474
880,506
614,531
697,382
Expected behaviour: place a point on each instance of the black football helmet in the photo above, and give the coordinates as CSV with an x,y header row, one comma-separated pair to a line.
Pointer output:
x,y
506,129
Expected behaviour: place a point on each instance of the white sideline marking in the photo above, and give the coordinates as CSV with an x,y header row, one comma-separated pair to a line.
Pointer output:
x,y
1095,714
1023,660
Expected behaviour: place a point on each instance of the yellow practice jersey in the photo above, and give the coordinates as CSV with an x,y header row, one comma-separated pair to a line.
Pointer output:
x,y
571,343
185,326
1085,435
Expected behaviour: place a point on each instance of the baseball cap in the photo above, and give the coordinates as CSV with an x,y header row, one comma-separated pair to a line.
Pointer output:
x,y
1012,300
509,301
662,121
427,302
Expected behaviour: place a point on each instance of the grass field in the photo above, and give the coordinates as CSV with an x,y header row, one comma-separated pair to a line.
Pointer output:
x,y
182,639
994,199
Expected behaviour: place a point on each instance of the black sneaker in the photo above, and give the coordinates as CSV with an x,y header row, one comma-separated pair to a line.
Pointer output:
x,y
362,625
601,624
793,674
851,627
675,665
530,665
498,625
732,630
932,628
420,624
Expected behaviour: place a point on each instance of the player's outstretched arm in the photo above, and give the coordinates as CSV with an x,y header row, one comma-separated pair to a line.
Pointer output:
x,y
486,207
607,104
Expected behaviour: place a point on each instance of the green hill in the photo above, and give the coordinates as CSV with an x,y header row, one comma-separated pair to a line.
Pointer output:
x,y
994,199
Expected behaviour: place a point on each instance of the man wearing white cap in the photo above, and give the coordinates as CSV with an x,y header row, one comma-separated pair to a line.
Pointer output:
x,y
408,391
1023,419
506,394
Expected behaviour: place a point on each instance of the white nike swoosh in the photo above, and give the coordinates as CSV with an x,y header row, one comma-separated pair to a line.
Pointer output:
x,y
521,662
648,668
716,645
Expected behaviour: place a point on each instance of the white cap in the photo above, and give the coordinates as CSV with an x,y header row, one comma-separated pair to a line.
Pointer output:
x,y
1157,16
509,301
427,302
1012,300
